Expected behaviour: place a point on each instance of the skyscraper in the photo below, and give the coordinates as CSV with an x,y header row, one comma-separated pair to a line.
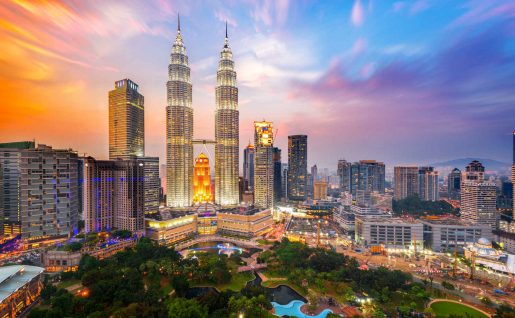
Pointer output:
x,y
284,180
428,184
276,159
263,164
478,202
406,182
454,184
227,139
297,167
248,168
475,171
367,175
179,128
126,121
10,158
49,203
343,171
114,195
151,184
202,180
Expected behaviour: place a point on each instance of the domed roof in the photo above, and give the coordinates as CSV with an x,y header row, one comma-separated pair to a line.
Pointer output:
x,y
484,241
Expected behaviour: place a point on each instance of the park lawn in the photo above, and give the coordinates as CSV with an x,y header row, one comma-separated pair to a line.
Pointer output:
x,y
68,283
238,281
443,309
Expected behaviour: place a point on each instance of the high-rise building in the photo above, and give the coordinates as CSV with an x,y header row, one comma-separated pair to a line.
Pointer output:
x,y
343,171
126,121
179,128
10,158
284,182
152,184
406,181
297,167
263,164
428,184
276,159
513,186
367,175
319,190
227,138
49,205
1,200
248,167
454,184
513,149
202,180
475,171
114,195
478,202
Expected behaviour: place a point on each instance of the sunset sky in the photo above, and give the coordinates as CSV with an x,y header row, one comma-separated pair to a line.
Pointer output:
x,y
400,82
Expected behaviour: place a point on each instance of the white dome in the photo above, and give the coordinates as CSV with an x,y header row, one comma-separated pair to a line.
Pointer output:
x,y
484,241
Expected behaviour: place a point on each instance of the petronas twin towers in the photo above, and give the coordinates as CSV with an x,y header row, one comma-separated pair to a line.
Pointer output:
x,y
179,129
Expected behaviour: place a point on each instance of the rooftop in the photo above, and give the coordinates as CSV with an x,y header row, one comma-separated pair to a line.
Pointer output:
x,y
14,277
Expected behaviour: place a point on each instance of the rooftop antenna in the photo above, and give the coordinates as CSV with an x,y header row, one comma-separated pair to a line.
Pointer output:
x,y
178,22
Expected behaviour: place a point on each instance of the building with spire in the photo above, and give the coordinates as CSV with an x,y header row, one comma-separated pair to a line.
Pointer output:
x,y
179,127
226,130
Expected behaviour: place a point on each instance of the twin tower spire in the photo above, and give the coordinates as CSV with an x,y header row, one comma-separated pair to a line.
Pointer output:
x,y
179,129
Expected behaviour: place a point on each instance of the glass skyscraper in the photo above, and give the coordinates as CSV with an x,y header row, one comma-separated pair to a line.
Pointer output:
x,y
126,121
297,167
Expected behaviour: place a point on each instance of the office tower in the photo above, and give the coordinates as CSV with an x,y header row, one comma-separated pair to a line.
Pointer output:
x,y
314,173
202,180
248,167
474,172
49,204
227,138
513,149
343,171
320,190
152,184
126,121
454,184
10,158
297,167
276,159
113,195
263,164
179,128
284,182
513,185
366,175
478,202
406,182
428,184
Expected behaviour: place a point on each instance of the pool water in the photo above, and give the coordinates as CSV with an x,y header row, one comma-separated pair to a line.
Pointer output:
x,y
293,309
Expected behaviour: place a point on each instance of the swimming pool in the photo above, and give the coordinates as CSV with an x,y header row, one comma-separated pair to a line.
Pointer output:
x,y
293,309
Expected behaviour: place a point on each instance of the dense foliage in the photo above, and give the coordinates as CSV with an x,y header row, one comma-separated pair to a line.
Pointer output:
x,y
414,206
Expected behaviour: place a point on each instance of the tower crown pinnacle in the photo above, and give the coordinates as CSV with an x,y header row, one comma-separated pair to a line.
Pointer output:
x,y
178,22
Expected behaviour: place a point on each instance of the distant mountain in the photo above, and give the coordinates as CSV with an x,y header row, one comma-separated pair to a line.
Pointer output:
x,y
491,166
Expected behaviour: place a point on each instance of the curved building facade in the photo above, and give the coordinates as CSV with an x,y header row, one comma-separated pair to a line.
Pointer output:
x,y
179,128
226,130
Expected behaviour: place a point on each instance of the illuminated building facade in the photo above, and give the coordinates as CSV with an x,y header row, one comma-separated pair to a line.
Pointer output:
x,y
248,168
202,180
475,171
114,195
297,167
428,184
226,130
20,288
49,204
406,181
320,190
10,159
179,128
126,121
263,164
178,227
478,203
152,184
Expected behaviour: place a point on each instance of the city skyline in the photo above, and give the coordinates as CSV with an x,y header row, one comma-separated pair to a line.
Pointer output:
x,y
284,77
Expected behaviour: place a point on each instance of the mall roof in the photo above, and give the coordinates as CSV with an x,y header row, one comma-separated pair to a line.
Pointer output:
x,y
15,277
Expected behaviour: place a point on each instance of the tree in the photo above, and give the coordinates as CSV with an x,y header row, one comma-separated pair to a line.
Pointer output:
x,y
186,308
